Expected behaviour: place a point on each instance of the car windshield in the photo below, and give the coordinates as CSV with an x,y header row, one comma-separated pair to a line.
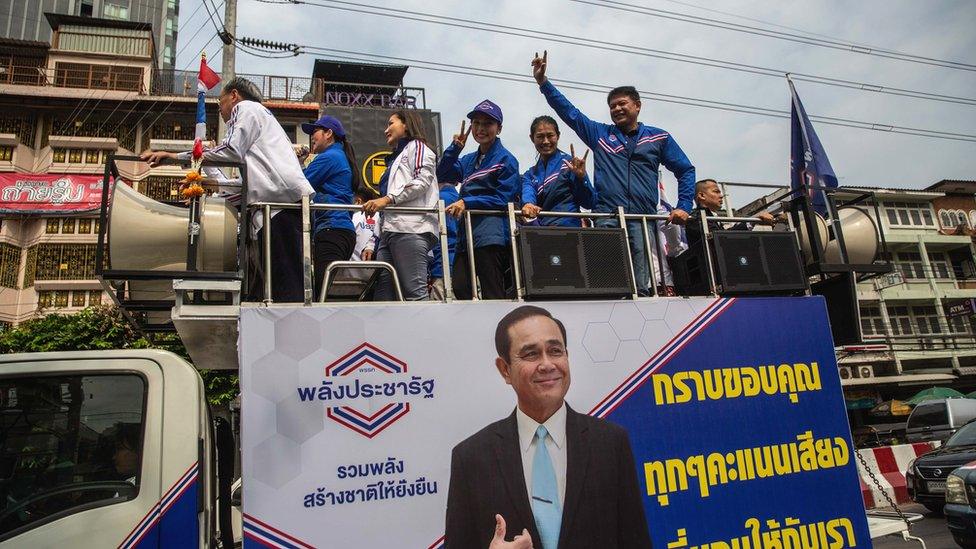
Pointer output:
x,y
964,437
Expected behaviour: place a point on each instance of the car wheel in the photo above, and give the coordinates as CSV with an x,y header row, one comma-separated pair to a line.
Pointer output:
x,y
935,507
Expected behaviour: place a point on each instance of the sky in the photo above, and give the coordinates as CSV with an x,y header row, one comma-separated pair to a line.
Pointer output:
x,y
726,146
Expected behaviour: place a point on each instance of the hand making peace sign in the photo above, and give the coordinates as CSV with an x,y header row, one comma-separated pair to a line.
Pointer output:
x,y
578,165
461,138
539,67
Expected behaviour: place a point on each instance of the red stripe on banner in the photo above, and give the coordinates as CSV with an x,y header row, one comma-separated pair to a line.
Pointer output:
x,y
438,543
277,531
888,466
254,538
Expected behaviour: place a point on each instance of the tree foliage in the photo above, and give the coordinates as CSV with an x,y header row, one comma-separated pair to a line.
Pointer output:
x,y
103,327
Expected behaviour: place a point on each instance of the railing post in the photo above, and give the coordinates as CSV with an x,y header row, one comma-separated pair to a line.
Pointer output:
x,y
445,258
712,285
650,257
267,254
468,233
306,251
622,219
516,276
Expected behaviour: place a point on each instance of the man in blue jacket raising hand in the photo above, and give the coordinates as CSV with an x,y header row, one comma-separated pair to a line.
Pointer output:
x,y
626,157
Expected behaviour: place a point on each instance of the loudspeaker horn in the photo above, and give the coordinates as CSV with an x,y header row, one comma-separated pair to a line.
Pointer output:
x,y
147,235
820,225
860,237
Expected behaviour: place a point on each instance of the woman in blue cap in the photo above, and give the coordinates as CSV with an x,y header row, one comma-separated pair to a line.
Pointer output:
x,y
410,182
334,177
489,181
558,181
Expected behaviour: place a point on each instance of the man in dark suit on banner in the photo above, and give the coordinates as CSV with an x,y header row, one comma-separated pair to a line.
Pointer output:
x,y
561,478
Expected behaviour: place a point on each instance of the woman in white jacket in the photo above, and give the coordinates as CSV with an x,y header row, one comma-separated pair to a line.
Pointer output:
x,y
409,181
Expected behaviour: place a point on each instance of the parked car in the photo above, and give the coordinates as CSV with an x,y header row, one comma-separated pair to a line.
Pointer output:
x,y
960,501
926,476
939,419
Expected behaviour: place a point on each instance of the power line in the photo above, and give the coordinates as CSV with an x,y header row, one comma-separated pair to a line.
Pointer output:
x,y
821,42
603,45
669,98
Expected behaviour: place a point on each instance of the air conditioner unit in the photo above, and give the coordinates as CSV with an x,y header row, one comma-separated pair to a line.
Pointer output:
x,y
865,371
846,372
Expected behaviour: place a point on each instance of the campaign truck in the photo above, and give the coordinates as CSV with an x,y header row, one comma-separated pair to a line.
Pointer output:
x,y
350,411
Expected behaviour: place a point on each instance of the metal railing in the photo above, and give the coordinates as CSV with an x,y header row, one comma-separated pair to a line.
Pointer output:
x,y
78,75
306,208
645,220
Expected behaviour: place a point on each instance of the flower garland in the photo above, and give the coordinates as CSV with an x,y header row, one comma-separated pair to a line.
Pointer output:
x,y
191,183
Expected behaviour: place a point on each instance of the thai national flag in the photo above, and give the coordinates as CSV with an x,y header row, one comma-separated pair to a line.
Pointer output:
x,y
207,80
809,165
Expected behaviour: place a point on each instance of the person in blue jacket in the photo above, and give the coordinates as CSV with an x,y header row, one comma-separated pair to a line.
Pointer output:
x,y
489,181
448,193
626,157
334,179
558,181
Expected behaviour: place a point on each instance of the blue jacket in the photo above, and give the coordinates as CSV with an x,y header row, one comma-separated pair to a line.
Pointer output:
x,y
331,177
554,187
490,185
449,195
626,166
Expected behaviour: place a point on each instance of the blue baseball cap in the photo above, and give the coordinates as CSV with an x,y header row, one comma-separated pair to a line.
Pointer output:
x,y
488,108
326,123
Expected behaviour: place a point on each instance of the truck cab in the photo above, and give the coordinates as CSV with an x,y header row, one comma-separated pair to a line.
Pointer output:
x,y
105,449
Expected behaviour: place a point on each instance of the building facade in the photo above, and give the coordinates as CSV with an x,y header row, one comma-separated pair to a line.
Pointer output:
x,y
25,19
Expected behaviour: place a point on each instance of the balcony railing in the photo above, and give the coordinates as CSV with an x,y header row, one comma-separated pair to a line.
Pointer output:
x,y
77,75
274,88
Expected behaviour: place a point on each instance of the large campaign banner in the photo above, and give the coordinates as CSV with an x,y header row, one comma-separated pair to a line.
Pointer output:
x,y
42,193
733,407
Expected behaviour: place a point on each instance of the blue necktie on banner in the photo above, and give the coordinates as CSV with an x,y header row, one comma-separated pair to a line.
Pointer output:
x,y
809,165
545,493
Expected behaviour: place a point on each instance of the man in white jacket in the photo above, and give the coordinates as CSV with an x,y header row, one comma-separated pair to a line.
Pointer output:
x,y
274,174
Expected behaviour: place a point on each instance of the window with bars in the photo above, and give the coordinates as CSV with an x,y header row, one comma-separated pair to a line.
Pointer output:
x,y
93,156
75,156
25,126
68,226
6,153
61,298
901,320
30,266
927,319
59,156
940,265
871,321
95,297
160,188
84,226
64,262
53,225
78,298
45,299
909,214
910,265
960,324
9,265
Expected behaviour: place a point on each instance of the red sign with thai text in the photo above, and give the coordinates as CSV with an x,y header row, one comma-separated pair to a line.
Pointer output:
x,y
42,193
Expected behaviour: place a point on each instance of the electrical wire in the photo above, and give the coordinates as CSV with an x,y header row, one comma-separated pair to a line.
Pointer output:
x,y
823,42
602,45
670,98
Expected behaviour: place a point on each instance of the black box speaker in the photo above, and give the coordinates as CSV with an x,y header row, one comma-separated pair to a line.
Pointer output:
x,y
574,262
744,262
758,262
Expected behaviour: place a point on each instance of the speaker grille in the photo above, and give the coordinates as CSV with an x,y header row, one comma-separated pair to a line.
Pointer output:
x,y
740,261
560,262
605,265
781,260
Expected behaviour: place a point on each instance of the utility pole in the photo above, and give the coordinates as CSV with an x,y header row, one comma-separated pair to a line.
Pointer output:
x,y
227,64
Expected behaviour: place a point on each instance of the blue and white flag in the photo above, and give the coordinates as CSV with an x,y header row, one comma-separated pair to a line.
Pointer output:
x,y
809,166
